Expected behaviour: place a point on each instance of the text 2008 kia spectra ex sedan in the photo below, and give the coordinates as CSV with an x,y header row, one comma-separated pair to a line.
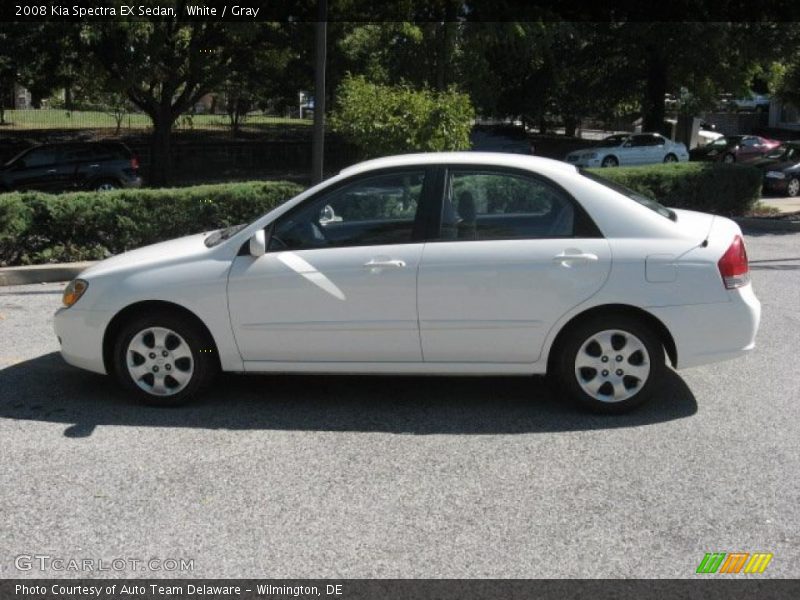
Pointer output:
x,y
450,263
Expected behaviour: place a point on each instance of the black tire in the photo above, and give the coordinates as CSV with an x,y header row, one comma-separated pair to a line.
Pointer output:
x,y
203,363
580,338
729,158
610,161
670,158
793,187
105,185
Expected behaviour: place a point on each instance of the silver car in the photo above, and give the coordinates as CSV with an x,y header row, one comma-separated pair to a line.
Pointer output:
x,y
625,149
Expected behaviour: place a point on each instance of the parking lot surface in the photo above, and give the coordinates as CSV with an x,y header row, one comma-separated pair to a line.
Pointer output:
x,y
298,476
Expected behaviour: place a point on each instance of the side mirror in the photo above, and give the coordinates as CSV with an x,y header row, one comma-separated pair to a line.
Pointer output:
x,y
258,244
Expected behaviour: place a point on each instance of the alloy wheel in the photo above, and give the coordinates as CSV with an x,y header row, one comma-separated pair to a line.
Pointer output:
x,y
612,365
160,361
793,187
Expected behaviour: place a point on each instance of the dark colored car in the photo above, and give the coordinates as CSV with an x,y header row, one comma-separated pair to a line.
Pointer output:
x,y
782,169
72,166
734,148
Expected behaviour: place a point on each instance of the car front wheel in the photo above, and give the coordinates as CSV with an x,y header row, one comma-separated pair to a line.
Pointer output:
x,y
670,158
610,364
793,187
729,158
164,359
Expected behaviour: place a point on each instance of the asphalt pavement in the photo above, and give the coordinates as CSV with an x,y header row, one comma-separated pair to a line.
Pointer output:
x,y
291,476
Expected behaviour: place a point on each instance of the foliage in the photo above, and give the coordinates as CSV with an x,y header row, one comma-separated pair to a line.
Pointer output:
x,y
382,120
37,227
721,189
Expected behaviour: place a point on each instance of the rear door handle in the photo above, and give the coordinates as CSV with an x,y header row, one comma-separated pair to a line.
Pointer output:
x,y
50,171
578,258
379,262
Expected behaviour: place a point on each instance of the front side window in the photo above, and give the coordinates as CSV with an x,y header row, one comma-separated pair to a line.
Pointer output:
x,y
376,210
502,206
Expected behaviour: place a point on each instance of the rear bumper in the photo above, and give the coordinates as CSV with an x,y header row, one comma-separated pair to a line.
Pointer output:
x,y
709,333
80,335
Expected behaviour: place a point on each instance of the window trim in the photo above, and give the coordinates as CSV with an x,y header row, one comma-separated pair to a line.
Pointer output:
x,y
592,231
419,226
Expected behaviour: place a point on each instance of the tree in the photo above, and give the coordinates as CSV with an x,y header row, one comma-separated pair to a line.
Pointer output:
x,y
383,120
165,67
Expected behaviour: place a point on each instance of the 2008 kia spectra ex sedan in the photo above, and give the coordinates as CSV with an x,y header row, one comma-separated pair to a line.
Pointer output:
x,y
449,263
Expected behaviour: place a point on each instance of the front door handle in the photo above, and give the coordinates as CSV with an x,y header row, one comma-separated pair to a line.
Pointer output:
x,y
380,262
574,258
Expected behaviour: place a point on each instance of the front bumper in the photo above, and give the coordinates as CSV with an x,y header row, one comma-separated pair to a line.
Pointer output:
x,y
80,335
775,185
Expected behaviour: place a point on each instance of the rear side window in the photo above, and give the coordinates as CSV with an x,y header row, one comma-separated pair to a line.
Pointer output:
x,y
486,205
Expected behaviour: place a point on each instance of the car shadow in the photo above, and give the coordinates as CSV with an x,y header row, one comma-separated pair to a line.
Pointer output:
x,y
48,390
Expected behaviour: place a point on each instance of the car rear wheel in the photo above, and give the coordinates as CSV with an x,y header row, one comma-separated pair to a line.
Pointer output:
x,y
793,187
610,364
729,158
610,161
165,359
670,158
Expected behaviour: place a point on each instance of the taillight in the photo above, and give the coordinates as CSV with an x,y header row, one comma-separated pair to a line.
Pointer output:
x,y
135,163
733,265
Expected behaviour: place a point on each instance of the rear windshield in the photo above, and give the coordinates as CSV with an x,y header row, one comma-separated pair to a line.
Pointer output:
x,y
632,194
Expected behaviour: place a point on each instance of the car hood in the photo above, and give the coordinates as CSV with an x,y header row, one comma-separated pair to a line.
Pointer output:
x,y
173,251
773,164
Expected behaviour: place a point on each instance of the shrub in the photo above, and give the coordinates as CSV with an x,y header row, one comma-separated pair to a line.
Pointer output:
x,y
38,228
382,120
722,189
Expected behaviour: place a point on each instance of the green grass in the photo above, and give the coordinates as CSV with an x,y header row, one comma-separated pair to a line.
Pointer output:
x,y
62,119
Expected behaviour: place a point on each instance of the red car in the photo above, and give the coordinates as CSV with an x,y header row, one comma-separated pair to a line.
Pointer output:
x,y
734,148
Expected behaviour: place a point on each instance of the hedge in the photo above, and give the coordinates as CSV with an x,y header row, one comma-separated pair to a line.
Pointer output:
x,y
722,189
39,228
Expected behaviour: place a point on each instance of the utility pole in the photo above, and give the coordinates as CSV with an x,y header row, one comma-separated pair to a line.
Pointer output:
x,y
318,140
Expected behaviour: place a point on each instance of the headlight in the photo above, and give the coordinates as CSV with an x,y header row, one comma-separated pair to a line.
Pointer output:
x,y
776,175
74,291
590,155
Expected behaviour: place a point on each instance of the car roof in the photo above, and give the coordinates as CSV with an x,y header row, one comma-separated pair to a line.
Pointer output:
x,y
493,159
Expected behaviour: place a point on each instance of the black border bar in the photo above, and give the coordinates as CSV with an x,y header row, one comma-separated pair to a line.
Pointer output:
x,y
707,587
421,10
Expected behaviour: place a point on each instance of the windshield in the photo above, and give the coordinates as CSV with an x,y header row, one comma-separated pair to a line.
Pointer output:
x,y
632,194
725,141
221,235
14,159
614,140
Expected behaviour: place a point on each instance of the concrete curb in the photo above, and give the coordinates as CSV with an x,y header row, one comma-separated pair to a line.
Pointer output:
x,y
41,273
766,224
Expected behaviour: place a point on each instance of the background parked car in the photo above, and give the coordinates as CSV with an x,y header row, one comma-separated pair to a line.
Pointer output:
x,y
781,169
629,149
735,148
752,102
61,167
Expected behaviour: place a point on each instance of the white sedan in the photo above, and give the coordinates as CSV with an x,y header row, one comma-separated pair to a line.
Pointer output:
x,y
434,264
625,149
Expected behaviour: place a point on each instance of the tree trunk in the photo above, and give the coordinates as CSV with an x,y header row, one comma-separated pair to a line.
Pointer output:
x,y
570,126
160,154
68,99
656,87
